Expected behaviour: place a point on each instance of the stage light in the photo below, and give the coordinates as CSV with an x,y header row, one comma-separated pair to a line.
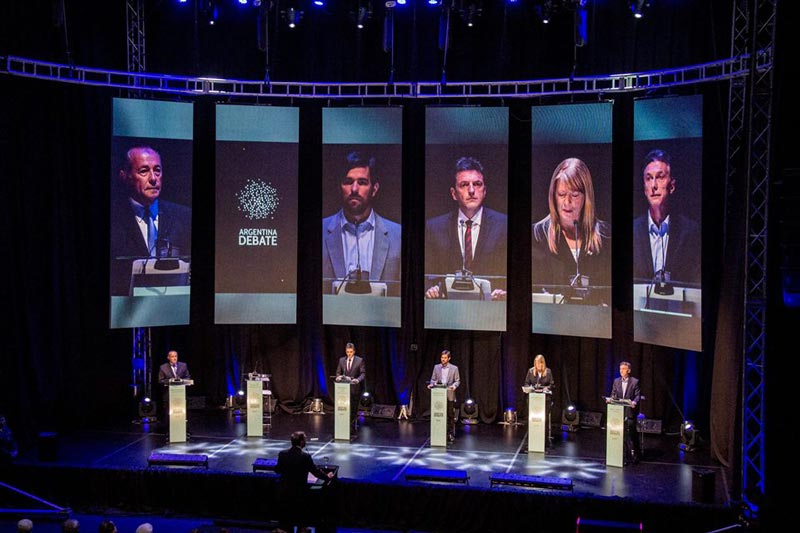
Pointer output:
x,y
637,7
570,419
365,403
320,3
293,17
469,412
362,16
147,409
243,2
688,436
545,11
239,403
509,416
433,2
401,2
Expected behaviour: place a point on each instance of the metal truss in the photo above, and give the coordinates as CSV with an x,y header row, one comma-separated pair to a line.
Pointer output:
x,y
134,19
749,151
726,69
141,362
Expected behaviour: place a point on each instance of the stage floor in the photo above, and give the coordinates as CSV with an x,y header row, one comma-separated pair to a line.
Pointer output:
x,y
384,449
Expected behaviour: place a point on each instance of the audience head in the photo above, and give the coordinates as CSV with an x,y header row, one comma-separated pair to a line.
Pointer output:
x,y
70,525
299,439
24,525
107,526
147,527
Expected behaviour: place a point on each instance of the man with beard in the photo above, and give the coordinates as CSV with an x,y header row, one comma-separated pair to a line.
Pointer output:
x,y
357,243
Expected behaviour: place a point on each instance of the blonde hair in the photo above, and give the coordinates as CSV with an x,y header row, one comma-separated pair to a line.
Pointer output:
x,y
541,358
574,173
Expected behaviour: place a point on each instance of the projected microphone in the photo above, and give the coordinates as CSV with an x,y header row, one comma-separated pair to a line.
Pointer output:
x,y
357,285
579,282
662,283
164,260
463,280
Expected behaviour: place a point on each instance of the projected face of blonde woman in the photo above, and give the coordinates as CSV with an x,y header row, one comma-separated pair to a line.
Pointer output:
x,y
569,203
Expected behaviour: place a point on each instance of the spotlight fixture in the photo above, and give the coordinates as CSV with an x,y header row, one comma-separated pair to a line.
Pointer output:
x,y
317,407
469,412
293,16
363,14
365,403
509,416
545,11
239,402
688,436
470,13
570,419
147,409
637,8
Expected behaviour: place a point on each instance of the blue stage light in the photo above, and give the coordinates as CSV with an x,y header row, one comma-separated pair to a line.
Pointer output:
x,y
320,3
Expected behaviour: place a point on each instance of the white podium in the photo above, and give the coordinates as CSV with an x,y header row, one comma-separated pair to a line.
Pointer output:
x,y
255,408
615,432
537,420
341,417
439,415
177,409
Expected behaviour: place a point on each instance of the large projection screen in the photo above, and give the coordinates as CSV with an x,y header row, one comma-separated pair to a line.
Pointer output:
x,y
571,220
466,182
361,207
256,215
667,211
150,216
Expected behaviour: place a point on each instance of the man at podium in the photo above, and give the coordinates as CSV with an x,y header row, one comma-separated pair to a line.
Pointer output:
x,y
172,369
354,368
626,387
447,375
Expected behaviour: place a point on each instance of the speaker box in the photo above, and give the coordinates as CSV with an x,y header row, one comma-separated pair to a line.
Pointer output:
x,y
649,425
591,419
383,411
703,482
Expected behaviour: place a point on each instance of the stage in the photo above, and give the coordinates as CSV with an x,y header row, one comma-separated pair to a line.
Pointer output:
x,y
107,468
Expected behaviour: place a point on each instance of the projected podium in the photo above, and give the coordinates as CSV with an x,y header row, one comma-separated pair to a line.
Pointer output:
x,y
439,415
538,419
341,417
615,431
255,408
177,409
159,277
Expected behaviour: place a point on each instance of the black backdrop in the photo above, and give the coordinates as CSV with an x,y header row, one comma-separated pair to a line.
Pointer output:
x,y
61,367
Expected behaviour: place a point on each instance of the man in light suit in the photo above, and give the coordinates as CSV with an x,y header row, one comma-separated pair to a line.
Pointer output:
x,y
447,374
472,238
627,387
664,241
353,367
142,224
357,243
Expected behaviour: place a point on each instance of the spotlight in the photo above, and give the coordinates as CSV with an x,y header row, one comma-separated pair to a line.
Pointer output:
x,y
293,17
147,409
365,404
688,436
570,419
320,3
362,16
317,406
469,412
509,416
545,11
401,2
239,402
637,7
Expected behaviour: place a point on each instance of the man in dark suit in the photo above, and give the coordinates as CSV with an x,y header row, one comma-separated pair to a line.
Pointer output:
x,y
626,387
665,243
294,465
446,374
472,238
353,367
172,369
142,225
357,243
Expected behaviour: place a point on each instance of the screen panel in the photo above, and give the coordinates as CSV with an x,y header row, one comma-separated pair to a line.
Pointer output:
x,y
256,215
361,209
466,180
667,211
571,220
150,216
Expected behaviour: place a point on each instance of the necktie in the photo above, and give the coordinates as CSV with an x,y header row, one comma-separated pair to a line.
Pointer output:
x,y
151,231
468,245
348,364
175,371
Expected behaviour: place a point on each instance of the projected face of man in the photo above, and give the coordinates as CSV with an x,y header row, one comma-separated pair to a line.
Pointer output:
x,y
658,186
569,202
143,175
469,191
358,191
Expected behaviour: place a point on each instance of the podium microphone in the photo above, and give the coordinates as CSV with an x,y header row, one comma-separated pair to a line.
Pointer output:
x,y
463,280
579,282
358,286
661,283
165,261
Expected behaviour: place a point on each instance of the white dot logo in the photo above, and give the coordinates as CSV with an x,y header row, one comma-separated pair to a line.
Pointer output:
x,y
258,200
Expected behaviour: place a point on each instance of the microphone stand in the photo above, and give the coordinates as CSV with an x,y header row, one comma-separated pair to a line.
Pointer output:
x,y
463,280
662,285
358,286
579,283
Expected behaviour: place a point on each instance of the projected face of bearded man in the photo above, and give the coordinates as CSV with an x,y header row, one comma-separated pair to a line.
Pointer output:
x,y
358,189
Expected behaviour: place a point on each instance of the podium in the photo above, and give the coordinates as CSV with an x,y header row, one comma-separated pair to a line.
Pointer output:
x,y
341,417
615,431
177,409
255,408
538,406
439,415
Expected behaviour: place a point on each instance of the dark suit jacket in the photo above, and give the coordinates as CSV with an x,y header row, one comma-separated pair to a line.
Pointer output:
x,y
358,370
385,253
443,249
174,223
632,393
293,467
165,372
683,253
532,379
453,379
549,270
